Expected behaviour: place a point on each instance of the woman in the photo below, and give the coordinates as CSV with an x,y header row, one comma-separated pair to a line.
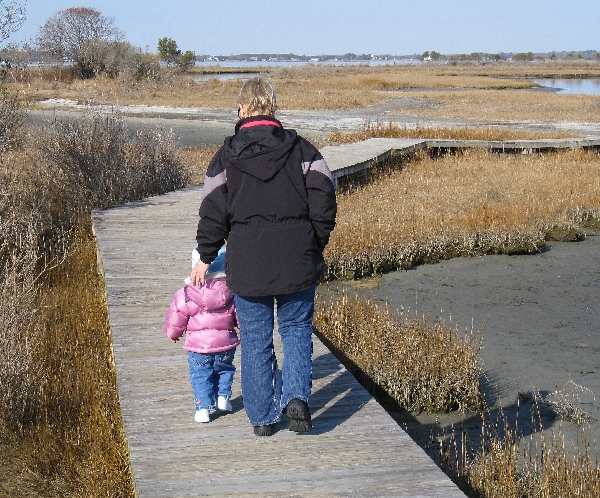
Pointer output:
x,y
270,194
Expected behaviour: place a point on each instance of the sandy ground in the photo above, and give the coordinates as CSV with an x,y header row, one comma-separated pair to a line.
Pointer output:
x,y
539,315
197,126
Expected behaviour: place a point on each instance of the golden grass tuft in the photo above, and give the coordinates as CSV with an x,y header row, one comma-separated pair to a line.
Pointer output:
x,y
424,367
395,130
506,466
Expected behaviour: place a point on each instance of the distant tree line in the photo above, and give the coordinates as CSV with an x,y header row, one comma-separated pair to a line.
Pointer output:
x,y
519,56
292,57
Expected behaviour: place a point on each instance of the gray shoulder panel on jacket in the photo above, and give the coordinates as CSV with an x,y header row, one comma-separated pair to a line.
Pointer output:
x,y
213,182
319,165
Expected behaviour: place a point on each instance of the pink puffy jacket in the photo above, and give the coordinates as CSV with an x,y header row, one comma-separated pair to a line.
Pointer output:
x,y
206,314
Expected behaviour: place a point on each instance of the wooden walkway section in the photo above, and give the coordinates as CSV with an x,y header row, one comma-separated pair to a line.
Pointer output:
x,y
360,156
355,448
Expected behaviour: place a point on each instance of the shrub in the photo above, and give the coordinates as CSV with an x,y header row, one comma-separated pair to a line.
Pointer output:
x,y
138,66
11,120
96,158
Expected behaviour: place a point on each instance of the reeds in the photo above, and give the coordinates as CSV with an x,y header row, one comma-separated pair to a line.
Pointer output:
x,y
422,366
465,204
61,432
395,130
19,335
506,465
70,440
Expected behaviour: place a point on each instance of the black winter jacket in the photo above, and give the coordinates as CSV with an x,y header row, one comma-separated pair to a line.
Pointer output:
x,y
269,193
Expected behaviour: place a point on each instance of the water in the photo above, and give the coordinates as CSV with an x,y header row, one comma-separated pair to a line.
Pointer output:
x,y
258,64
572,86
247,64
223,76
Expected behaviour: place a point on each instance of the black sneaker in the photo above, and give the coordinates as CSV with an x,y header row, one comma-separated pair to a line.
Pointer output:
x,y
299,415
264,430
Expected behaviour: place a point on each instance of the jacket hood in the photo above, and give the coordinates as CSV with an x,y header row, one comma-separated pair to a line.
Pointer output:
x,y
212,296
260,150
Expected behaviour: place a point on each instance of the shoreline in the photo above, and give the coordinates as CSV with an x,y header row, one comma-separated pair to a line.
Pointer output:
x,y
539,320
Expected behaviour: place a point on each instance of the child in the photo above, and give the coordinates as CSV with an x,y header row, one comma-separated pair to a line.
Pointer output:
x,y
207,315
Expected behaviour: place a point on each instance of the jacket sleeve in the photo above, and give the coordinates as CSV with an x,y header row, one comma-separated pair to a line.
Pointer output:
x,y
320,191
177,317
213,226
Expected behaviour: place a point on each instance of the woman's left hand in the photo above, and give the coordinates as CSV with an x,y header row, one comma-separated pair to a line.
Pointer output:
x,y
198,276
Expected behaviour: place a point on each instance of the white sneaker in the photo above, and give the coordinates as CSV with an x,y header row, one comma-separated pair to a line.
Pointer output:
x,y
224,404
202,416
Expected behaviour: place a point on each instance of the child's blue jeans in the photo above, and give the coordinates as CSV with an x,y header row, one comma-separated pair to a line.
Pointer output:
x,y
211,375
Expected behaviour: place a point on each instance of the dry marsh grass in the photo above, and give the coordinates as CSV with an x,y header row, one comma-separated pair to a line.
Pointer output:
x,y
492,91
395,130
71,441
424,367
464,204
506,105
196,160
508,466
61,432
520,70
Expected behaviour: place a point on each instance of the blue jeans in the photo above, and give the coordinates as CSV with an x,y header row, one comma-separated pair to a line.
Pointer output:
x,y
264,393
211,375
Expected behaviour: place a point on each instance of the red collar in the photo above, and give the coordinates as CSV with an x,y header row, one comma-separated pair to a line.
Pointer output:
x,y
261,122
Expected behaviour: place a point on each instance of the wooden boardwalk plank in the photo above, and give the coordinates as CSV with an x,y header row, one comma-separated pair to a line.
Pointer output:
x,y
355,448
351,158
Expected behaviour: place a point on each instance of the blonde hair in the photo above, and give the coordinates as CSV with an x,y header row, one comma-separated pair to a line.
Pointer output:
x,y
258,97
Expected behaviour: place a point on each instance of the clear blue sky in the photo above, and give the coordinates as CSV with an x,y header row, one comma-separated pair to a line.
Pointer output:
x,y
315,27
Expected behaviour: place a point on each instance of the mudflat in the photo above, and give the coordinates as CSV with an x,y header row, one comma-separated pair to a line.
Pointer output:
x,y
538,317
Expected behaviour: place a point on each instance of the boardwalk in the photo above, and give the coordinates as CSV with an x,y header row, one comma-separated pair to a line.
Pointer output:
x,y
355,448
355,157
